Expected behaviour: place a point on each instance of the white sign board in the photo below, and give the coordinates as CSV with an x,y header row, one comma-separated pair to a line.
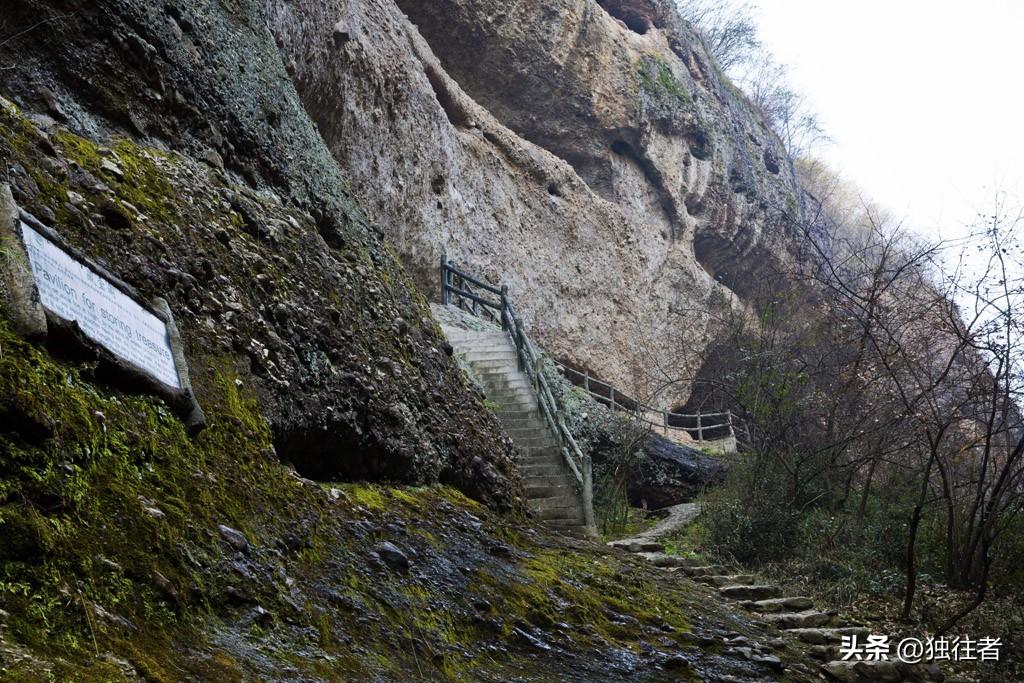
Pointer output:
x,y
106,315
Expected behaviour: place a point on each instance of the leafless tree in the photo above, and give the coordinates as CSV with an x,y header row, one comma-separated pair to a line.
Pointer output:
x,y
730,29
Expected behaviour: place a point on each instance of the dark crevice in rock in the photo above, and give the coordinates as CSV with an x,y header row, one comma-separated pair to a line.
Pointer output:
x,y
712,253
327,454
455,113
699,143
654,179
115,217
25,428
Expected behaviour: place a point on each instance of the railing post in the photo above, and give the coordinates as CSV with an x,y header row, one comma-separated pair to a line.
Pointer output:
x,y
611,393
700,429
504,306
664,414
586,381
732,431
588,495
444,280
519,345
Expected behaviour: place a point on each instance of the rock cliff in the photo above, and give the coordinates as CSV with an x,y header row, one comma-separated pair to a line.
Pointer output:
x,y
168,143
253,162
589,154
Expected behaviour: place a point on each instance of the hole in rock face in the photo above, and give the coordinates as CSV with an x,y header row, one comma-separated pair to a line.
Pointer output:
x,y
638,15
115,217
715,255
622,148
700,144
337,453
554,191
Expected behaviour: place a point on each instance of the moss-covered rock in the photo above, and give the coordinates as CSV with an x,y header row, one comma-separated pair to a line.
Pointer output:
x,y
334,341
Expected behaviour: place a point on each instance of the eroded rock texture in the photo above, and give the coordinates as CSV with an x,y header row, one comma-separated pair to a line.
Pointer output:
x,y
588,154
168,142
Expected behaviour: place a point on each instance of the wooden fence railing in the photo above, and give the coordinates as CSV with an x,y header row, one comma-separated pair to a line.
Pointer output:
x,y
703,427
492,303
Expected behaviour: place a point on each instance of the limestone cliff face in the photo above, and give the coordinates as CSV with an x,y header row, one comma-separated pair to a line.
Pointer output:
x,y
588,154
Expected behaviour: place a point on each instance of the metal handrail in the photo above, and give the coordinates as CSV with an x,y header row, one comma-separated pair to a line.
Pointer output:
x,y
459,286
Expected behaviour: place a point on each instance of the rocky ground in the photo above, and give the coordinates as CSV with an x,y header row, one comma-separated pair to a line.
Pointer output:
x,y
133,552
819,633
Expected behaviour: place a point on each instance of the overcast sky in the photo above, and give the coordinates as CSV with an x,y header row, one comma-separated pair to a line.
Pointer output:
x,y
924,100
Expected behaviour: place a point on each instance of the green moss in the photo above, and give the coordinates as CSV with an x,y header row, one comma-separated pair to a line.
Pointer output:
x,y
82,475
141,182
369,496
656,80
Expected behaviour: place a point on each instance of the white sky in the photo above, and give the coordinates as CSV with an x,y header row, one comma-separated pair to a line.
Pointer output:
x,y
924,100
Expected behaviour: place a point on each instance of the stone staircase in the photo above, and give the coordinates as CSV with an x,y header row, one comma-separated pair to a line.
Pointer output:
x,y
551,489
794,616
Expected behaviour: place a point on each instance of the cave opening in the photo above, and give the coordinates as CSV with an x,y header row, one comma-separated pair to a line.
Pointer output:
x,y
637,15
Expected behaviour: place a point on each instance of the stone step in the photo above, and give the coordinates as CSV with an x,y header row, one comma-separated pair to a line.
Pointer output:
x,y
471,345
499,376
467,345
534,490
521,416
825,653
633,545
543,470
563,516
705,570
491,363
524,428
508,390
465,336
539,455
491,349
569,502
798,603
516,407
540,440
660,559
552,480
534,442
806,619
537,451
825,636
726,580
857,671
523,399
750,592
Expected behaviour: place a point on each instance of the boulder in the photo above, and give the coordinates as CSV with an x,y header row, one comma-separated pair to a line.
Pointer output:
x,y
672,473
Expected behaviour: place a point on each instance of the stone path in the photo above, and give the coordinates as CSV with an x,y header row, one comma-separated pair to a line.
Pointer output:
x,y
678,517
798,621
